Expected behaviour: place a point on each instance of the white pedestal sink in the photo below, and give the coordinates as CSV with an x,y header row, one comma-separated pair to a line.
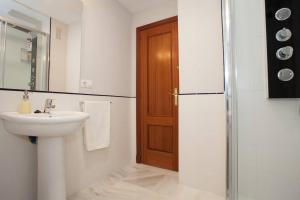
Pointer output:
x,y
50,129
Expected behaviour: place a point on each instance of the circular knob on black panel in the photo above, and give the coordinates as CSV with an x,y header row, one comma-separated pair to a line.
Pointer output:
x,y
285,53
283,14
283,35
286,74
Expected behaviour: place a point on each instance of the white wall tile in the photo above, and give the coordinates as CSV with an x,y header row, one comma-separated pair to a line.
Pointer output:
x,y
268,130
202,142
106,47
200,46
73,57
269,146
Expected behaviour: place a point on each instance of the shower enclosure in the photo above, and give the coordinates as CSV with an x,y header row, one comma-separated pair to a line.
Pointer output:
x,y
263,133
24,57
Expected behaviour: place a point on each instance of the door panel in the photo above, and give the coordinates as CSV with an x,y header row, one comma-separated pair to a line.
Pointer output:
x,y
157,79
159,75
160,138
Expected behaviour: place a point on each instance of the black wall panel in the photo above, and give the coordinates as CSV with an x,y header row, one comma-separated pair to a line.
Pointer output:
x,y
284,88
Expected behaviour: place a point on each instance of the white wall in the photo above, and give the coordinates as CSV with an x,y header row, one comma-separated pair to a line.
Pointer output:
x,y
202,142
268,130
65,57
106,49
202,132
58,56
73,57
18,157
201,49
18,164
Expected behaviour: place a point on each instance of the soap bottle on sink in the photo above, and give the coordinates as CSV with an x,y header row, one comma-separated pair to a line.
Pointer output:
x,y
25,104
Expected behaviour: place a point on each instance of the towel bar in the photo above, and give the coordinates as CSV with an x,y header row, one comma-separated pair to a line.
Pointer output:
x,y
82,102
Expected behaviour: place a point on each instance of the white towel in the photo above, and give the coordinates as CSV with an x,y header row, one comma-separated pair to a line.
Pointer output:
x,y
97,127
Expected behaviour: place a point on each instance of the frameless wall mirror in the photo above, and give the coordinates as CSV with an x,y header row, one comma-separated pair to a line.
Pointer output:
x,y
40,45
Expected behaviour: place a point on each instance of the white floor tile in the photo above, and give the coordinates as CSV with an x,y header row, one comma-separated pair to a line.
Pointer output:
x,y
140,182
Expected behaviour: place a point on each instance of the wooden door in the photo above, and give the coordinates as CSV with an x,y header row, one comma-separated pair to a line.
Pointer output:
x,y
157,94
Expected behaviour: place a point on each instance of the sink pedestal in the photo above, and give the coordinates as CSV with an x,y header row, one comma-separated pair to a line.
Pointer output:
x,y
51,171
50,128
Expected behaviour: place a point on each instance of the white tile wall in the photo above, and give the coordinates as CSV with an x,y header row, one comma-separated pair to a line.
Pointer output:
x,y
269,146
202,142
269,130
106,48
18,164
200,43
202,133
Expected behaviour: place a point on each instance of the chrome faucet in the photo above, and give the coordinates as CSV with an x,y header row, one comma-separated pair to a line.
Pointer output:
x,y
48,105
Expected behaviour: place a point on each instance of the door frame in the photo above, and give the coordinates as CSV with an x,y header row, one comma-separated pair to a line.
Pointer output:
x,y
138,85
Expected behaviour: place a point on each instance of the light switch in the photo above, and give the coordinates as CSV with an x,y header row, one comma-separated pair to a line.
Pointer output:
x,y
86,84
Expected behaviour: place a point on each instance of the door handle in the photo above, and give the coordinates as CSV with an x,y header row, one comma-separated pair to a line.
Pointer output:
x,y
175,94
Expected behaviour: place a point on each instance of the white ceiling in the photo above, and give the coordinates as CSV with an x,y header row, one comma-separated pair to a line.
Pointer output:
x,y
67,11
135,6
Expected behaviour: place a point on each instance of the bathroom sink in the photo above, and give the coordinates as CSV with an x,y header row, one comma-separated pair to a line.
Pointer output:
x,y
58,123
50,129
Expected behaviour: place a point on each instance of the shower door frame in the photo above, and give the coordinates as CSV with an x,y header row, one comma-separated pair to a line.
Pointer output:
x,y
7,22
3,30
231,100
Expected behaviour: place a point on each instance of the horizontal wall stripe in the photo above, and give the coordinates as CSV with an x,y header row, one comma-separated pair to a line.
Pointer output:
x,y
70,93
103,95
190,94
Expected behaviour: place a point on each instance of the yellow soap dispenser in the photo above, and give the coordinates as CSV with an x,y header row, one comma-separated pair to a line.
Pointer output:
x,y
25,104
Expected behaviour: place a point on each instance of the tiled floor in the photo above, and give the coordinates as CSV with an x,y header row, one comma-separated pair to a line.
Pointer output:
x,y
140,182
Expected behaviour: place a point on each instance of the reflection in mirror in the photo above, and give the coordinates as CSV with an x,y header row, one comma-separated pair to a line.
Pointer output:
x,y
24,64
37,42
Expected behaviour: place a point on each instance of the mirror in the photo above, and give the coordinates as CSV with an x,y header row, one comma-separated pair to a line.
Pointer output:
x,y
43,46
40,44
